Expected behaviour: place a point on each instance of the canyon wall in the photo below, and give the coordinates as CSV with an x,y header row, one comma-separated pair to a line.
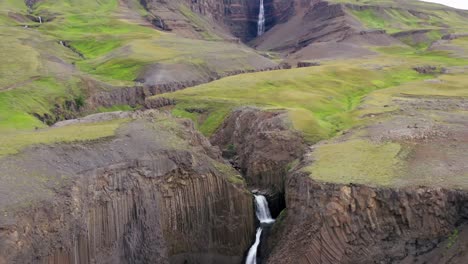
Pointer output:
x,y
337,223
263,147
156,193
241,16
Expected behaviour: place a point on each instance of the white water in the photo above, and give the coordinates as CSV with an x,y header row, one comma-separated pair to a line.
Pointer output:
x,y
261,20
40,20
161,23
61,43
262,210
264,216
252,255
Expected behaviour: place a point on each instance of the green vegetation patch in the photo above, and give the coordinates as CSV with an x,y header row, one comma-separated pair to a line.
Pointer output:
x,y
232,175
393,18
18,105
12,143
319,99
356,161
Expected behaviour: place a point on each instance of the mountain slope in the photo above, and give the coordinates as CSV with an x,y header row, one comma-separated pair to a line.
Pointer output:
x,y
334,29
59,53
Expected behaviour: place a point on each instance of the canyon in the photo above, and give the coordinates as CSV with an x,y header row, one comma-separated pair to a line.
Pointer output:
x,y
235,131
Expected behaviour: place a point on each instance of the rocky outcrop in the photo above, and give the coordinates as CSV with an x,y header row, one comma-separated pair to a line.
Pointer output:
x,y
337,223
454,36
262,146
133,96
156,193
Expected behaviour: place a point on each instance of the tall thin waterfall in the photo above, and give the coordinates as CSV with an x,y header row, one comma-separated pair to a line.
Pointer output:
x,y
40,19
261,20
264,216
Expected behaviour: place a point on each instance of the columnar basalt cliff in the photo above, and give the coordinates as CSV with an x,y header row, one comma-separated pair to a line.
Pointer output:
x,y
156,193
337,223
262,146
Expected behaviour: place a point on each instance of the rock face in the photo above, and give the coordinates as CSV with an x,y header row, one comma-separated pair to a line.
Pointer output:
x,y
334,223
262,146
241,16
156,193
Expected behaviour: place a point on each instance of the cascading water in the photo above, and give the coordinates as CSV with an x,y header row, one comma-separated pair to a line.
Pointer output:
x,y
264,216
161,23
40,19
261,20
252,255
262,210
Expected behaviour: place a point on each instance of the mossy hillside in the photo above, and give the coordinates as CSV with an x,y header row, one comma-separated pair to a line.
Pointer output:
x,y
414,4
18,105
457,47
357,161
319,99
395,20
406,16
357,158
116,49
40,72
402,15
12,143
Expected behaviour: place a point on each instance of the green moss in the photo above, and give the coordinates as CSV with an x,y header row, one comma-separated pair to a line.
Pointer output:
x,y
356,161
370,19
92,48
18,105
318,99
229,172
452,239
398,17
292,165
11,143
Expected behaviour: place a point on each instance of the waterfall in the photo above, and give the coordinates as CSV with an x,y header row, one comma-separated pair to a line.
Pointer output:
x,y
61,43
40,19
264,216
161,23
252,255
262,210
261,20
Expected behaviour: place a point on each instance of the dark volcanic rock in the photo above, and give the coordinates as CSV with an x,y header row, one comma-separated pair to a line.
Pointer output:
x,y
303,64
262,146
428,69
156,193
336,223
